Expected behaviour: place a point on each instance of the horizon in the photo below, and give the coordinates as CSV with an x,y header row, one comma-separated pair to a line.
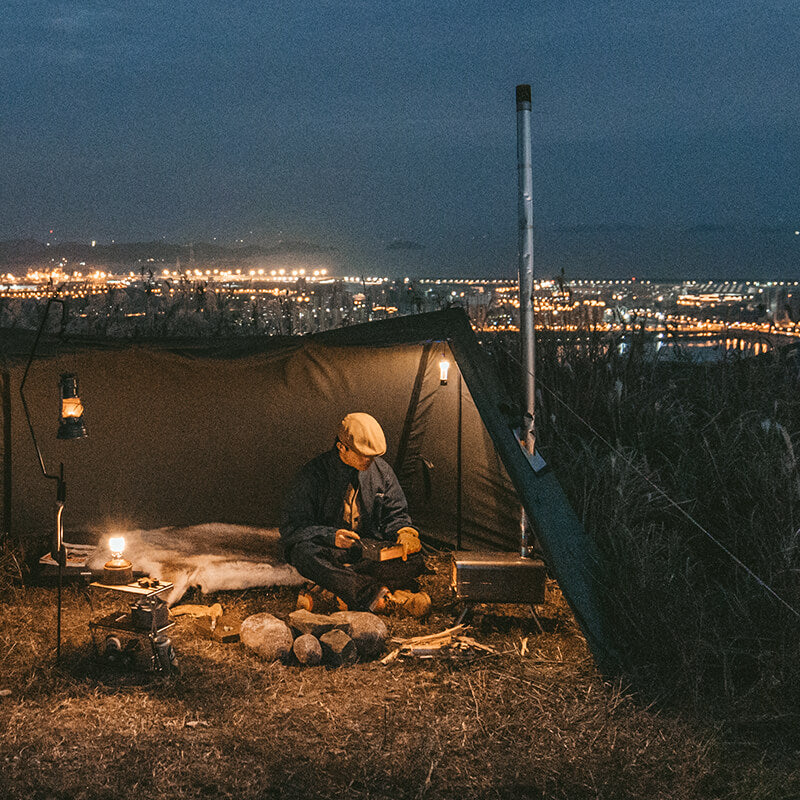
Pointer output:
x,y
701,252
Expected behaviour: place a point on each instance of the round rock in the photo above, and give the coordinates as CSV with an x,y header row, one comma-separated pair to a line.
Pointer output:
x,y
308,650
367,630
266,636
304,621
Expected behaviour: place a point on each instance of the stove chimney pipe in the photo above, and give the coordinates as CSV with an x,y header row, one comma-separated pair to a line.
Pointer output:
x,y
525,256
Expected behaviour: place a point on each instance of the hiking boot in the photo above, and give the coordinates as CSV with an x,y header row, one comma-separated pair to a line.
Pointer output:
x,y
401,601
415,604
319,601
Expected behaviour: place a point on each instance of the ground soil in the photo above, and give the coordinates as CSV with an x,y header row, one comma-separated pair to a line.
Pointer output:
x,y
532,720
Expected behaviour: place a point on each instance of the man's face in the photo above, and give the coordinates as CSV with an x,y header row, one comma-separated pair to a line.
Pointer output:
x,y
353,459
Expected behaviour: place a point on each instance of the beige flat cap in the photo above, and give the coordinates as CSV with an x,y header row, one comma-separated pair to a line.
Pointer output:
x,y
363,434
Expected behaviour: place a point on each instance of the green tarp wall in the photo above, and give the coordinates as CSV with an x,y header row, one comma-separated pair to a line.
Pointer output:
x,y
187,433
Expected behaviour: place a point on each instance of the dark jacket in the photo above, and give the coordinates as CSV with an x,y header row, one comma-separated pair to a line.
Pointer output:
x,y
312,510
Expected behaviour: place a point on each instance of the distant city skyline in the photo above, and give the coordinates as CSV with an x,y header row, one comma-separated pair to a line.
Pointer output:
x,y
582,252
385,132
221,295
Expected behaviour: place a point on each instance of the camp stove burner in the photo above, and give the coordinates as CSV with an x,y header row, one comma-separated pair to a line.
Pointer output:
x,y
149,614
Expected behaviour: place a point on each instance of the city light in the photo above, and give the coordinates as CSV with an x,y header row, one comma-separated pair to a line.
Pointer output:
x,y
301,299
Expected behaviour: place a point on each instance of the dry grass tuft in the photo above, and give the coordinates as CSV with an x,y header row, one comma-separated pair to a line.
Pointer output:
x,y
636,442
12,566
537,725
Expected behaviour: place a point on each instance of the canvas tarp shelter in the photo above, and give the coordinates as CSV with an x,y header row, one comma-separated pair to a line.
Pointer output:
x,y
182,434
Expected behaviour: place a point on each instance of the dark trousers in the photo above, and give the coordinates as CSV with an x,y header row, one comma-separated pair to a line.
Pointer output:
x,y
354,579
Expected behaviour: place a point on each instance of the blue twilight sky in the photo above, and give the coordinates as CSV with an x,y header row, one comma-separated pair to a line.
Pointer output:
x,y
386,130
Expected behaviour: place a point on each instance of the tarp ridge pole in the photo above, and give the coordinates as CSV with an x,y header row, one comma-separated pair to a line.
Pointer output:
x,y
525,257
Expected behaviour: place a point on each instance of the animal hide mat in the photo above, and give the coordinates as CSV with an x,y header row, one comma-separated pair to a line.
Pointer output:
x,y
214,557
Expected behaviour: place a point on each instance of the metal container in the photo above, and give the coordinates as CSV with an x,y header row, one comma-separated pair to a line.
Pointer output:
x,y
166,659
149,614
498,578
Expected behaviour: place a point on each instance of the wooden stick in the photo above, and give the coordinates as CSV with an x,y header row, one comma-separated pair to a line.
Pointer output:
x,y
390,657
477,645
446,634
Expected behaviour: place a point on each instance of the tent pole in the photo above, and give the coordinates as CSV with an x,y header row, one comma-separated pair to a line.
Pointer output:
x,y
459,468
5,533
411,413
526,284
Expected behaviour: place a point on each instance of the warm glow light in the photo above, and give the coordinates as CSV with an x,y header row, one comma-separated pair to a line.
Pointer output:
x,y
71,407
444,367
116,544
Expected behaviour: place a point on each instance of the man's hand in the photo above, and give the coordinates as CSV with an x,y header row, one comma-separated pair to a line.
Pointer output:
x,y
409,539
345,538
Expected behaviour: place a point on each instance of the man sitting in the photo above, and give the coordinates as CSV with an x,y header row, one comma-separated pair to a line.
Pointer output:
x,y
340,503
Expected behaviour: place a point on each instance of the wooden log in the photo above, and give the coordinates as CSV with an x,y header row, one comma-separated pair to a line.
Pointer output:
x,y
226,630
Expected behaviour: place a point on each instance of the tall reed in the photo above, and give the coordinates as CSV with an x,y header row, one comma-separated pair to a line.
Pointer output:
x,y
657,458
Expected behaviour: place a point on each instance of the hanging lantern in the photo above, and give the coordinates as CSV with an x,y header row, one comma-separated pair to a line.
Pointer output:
x,y
71,425
444,367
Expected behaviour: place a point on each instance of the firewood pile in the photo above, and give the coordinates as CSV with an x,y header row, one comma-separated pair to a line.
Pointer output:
x,y
450,643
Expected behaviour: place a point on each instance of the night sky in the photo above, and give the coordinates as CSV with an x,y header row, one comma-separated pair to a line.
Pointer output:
x,y
386,130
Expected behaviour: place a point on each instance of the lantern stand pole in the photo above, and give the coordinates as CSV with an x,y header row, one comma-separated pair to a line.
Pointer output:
x,y
57,550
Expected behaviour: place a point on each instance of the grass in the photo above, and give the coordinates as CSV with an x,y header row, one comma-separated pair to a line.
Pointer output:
x,y
658,457
538,724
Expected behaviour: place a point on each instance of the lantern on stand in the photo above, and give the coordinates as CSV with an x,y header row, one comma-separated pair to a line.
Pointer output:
x,y
71,425
118,570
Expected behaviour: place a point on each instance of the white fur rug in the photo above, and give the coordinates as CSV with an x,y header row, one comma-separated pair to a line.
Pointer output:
x,y
213,556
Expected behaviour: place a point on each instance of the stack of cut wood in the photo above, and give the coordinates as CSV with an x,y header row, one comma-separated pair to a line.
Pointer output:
x,y
449,643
